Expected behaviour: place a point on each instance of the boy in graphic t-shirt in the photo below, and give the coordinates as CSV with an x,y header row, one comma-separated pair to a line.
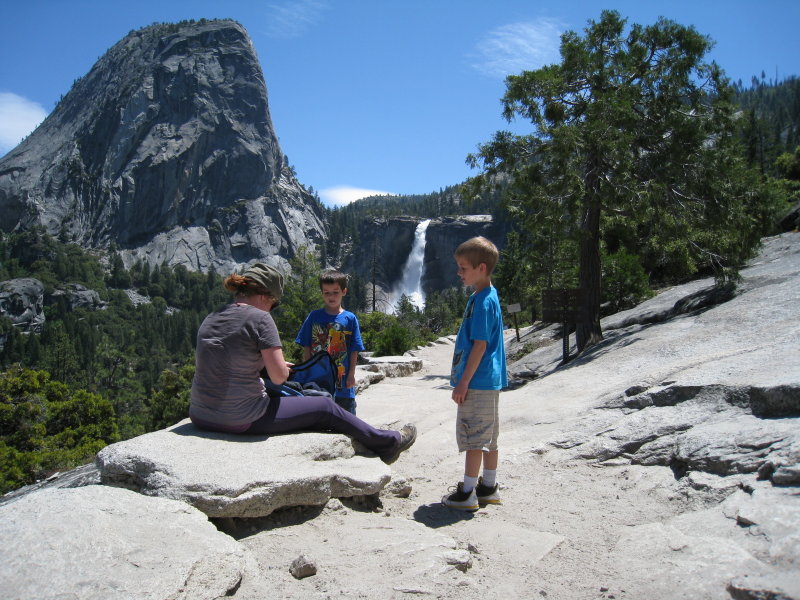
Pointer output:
x,y
335,330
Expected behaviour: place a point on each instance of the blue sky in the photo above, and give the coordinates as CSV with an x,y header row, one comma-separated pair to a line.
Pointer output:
x,y
372,96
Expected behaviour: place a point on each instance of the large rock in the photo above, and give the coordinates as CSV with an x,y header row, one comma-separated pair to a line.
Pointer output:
x,y
227,475
692,400
166,149
712,429
374,369
78,296
697,550
22,301
100,542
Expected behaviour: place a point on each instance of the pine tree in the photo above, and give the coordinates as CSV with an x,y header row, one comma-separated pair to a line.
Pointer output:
x,y
632,127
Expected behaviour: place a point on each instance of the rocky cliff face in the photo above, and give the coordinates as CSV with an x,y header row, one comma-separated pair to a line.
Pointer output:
x,y
444,236
165,149
384,245
22,301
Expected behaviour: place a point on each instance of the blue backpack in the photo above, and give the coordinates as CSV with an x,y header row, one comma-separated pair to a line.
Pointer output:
x,y
319,370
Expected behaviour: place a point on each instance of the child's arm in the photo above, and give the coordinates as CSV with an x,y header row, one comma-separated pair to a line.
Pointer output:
x,y
473,361
304,337
351,372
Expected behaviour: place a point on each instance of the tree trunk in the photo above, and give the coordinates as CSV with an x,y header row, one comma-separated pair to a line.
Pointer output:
x,y
587,329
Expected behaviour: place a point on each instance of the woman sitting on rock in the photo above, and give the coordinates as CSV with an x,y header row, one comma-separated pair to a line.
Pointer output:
x,y
235,343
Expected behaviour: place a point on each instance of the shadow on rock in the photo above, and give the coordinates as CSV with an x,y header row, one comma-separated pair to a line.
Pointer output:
x,y
188,429
239,528
436,378
438,515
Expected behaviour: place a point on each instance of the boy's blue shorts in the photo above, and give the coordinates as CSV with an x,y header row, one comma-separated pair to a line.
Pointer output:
x,y
349,404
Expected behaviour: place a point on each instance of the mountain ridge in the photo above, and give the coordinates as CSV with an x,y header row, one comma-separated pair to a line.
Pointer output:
x,y
166,150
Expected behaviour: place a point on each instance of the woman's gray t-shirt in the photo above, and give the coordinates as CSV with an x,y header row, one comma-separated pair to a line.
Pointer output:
x,y
227,389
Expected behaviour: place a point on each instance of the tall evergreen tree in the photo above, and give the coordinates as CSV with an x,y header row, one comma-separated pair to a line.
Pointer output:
x,y
632,127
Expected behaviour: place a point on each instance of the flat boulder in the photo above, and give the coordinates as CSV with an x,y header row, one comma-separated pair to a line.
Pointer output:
x,y
99,542
393,366
373,369
228,475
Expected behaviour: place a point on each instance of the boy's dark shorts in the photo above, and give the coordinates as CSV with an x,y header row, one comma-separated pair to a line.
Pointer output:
x,y
477,421
349,404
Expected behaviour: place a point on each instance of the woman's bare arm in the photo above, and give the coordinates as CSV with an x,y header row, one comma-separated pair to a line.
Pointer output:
x,y
276,366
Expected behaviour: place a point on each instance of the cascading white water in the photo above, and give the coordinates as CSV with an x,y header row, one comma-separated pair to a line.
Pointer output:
x,y
411,282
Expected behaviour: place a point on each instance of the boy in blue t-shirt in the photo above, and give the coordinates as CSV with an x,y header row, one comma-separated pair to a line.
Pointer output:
x,y
478,375
336,331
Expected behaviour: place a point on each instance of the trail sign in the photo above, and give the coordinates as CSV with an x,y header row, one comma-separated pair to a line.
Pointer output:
x,y
561,305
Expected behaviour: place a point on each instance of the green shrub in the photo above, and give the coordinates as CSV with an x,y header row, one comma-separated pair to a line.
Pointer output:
x,y
45,426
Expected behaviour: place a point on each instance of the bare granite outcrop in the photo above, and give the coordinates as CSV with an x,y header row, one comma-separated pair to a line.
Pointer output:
x,y
166,150
22,301
99,542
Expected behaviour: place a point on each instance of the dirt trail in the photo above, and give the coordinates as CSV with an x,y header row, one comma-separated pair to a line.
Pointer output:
x,y
555,535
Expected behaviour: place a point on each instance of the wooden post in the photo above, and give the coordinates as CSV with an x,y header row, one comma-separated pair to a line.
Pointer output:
x,y
513,309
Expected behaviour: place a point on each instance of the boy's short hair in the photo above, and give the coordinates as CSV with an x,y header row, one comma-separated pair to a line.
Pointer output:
x,y
479,250
331,276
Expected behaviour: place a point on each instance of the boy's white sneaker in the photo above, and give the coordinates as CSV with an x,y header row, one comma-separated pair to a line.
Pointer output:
x,y
460,499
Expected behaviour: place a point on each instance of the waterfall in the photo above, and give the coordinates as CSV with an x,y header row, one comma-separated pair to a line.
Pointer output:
x,y
411,282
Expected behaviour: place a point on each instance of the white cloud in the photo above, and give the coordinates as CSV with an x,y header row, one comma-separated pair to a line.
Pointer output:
x,y
292,18
343,195
18,117
518,47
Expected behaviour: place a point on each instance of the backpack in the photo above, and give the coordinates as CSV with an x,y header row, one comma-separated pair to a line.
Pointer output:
x,y
319,370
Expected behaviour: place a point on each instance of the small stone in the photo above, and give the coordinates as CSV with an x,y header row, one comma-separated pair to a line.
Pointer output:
x,y
460,559
398,487
302,567
335,504
744,521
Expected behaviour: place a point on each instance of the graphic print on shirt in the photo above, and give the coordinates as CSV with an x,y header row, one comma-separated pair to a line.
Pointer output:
x,y
331,337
